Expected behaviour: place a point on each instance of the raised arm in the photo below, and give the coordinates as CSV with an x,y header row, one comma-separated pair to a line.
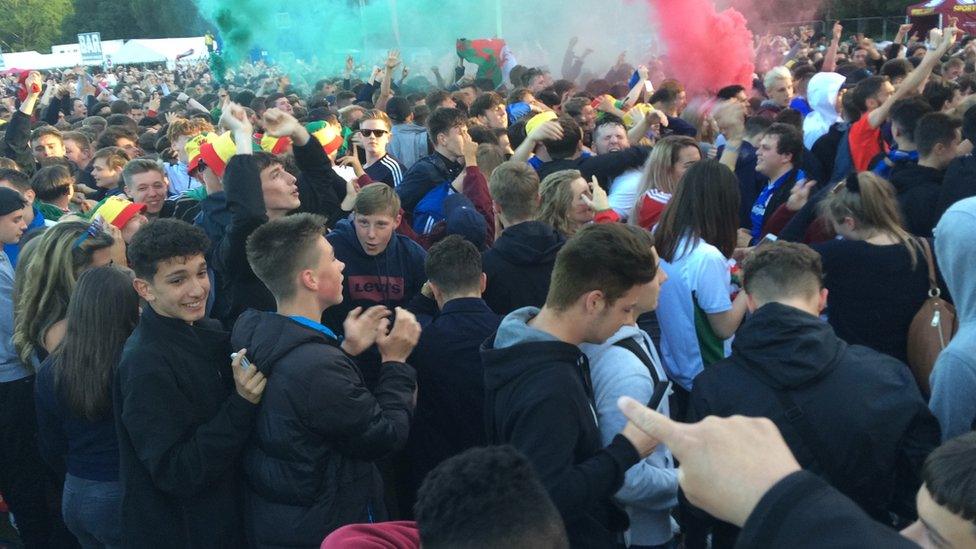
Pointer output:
x,y
915,78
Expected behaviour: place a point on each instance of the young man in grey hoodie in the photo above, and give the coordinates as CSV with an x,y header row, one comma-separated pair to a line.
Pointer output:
x,y
408,141
953,379
627,364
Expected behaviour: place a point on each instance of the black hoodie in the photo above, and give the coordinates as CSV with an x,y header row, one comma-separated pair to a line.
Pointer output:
x,y
539,399
866,412
918,190
519,265
309,464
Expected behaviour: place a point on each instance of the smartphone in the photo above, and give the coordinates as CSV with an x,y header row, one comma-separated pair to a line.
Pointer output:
x,y
769,238
245,363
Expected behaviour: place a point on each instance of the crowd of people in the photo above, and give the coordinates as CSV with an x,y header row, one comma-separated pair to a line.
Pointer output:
x,y
373,311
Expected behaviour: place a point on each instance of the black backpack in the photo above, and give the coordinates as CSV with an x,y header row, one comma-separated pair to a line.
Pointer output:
x,y
660,386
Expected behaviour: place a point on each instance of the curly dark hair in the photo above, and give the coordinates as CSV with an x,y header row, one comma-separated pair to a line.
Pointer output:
x,y
487,497
164,239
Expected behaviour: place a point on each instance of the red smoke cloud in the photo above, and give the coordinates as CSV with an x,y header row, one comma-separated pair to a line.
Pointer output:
x,y
707,49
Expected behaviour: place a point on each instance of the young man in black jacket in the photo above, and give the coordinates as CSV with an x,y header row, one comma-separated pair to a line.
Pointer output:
x,y
448,130
739,469
450,378
563,141
824,395
310,464
258,188
520,263
183,409
960,177
538,393
918,184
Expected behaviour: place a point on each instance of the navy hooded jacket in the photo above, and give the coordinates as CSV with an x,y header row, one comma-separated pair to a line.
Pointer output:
x,y
390,278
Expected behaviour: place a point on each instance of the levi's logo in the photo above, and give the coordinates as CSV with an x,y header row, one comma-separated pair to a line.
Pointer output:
x,y
375,288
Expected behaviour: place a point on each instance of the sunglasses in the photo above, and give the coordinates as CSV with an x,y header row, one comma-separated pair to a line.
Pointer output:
x,y
93,230
374,133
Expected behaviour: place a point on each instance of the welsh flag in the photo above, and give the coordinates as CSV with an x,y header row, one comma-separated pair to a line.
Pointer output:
x,y
491,55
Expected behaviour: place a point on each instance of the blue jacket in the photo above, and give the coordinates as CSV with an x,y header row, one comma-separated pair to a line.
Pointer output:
x,y
953,377
13,250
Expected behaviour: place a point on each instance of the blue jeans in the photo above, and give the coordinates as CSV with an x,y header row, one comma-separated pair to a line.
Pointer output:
x,y
92,511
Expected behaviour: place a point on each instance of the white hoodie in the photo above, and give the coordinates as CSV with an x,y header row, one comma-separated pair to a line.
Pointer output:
x,y
822,94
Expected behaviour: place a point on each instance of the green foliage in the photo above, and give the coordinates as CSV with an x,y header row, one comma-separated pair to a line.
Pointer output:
x,y
32,24
134,19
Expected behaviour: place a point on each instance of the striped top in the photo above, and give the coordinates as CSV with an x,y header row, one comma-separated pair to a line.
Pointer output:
x,y
386,169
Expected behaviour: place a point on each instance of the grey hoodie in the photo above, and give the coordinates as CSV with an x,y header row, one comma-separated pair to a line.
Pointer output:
x,y
408,143
953,379
11,368
650,488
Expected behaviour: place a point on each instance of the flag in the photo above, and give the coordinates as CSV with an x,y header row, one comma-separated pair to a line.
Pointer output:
x,y
491,55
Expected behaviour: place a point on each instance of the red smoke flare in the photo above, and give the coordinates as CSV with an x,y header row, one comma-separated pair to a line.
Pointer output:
x,y
707,50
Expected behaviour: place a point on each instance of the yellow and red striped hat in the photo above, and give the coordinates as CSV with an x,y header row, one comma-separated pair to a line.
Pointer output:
x,y
327,135
119,211
212,150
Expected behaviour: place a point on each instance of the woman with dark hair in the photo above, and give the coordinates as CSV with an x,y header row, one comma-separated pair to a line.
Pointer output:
x,y
73,396
876,274
695,239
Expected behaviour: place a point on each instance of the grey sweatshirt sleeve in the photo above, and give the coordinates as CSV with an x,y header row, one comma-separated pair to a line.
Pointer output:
x,y
953,382
647,484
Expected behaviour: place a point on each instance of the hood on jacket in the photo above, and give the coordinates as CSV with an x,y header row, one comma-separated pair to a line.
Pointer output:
x,y
529,243
409,127
518,349
786,346
955,248
270,336
822,95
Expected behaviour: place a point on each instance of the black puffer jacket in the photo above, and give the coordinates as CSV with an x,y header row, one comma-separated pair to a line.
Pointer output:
x,y
309,465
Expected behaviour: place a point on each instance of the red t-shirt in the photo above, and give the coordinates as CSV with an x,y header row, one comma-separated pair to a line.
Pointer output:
x,y
865,143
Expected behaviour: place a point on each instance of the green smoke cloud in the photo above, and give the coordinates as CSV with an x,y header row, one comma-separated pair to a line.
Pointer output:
x,y
425,30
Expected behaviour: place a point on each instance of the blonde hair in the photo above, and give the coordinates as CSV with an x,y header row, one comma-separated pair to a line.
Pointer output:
x,y
873,205
774,74
659,169
376,114
557,200
377,198
48,268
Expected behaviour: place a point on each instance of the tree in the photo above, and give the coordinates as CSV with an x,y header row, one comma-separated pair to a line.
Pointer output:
x,y
32,24
112,18
169,19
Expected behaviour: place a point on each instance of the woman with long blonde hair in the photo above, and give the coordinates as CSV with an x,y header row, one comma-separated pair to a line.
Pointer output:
x,y
47,270
568,202
876,274
665,166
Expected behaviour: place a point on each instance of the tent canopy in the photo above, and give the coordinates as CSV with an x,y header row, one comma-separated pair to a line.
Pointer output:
x,y
933,13
157,50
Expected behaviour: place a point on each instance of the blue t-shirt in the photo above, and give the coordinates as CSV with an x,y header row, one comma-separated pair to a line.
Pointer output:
x,y
758,212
